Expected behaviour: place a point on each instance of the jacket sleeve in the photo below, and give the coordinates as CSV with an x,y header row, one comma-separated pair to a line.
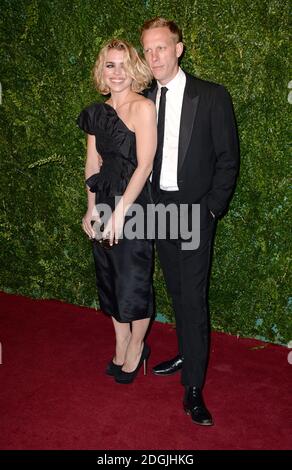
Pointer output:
x,y
225,141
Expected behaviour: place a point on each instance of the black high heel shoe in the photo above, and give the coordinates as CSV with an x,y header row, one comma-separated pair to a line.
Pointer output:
x,y
128,377
113,369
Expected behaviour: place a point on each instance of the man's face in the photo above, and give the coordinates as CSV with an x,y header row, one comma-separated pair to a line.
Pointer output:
x,y
161,53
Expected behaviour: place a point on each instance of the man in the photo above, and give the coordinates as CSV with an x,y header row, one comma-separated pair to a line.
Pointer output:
x,y
196,162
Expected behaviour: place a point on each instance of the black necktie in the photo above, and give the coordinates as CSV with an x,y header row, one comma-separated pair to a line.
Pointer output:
x,y
160,138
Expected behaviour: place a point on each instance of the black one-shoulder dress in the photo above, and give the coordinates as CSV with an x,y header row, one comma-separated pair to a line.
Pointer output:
x,y
123,272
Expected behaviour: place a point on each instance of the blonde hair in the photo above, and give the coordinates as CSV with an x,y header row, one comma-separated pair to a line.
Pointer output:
x,y
134,66
160,22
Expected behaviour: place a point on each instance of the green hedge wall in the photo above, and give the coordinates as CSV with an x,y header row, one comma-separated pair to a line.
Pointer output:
x,y
47,51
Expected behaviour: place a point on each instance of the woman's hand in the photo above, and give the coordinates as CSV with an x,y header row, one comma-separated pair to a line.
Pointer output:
x,y
86,223
114,227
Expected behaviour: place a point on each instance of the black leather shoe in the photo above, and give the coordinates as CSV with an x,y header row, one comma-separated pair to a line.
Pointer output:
x,y
168,367
194,405
113,369
123,377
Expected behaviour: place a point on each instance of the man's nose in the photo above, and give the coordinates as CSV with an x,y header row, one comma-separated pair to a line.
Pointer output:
x,y
154,56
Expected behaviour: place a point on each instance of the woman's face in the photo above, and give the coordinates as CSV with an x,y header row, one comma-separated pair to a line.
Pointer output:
x,y
114,73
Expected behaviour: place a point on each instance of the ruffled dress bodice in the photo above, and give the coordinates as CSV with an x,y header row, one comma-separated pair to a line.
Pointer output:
x,y
115,143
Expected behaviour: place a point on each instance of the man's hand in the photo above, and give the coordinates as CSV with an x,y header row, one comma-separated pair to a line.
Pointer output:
x,y
100,161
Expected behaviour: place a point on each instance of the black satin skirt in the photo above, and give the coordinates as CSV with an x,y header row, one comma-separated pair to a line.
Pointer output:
x,y
124,279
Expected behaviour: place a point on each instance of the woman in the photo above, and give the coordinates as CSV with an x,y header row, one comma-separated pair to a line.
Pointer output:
x,y
121,144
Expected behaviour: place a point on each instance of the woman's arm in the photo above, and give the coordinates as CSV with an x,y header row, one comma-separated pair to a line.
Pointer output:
x,y
92,166
146,141
145,126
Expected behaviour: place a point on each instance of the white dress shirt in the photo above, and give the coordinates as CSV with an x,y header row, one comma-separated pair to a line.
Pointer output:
x,y
173,107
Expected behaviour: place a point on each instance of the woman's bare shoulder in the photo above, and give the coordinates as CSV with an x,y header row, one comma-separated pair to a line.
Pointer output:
x,y
143,105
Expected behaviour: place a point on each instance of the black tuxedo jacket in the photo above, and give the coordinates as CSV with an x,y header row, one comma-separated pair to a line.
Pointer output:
x,y
208,153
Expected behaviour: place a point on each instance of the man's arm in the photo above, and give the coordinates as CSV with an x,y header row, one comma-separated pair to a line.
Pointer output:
x,y
225,140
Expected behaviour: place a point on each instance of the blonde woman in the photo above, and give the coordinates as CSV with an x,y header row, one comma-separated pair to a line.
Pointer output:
x,y
121,145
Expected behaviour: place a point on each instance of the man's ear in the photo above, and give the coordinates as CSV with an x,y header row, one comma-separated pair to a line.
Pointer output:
x,y
179,49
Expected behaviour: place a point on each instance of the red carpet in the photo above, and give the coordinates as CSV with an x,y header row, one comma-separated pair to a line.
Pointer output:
x,y
55,395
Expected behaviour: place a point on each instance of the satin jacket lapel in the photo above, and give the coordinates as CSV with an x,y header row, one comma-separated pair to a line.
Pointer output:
x,y
188,115
151,93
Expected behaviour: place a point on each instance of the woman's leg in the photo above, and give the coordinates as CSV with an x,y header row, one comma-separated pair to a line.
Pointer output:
x,y
136,343
123,335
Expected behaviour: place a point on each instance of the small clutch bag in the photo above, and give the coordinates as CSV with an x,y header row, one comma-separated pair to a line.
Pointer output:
x,y
98,238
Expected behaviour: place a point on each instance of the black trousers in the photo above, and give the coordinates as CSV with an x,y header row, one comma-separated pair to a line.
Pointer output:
x,y
186,274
